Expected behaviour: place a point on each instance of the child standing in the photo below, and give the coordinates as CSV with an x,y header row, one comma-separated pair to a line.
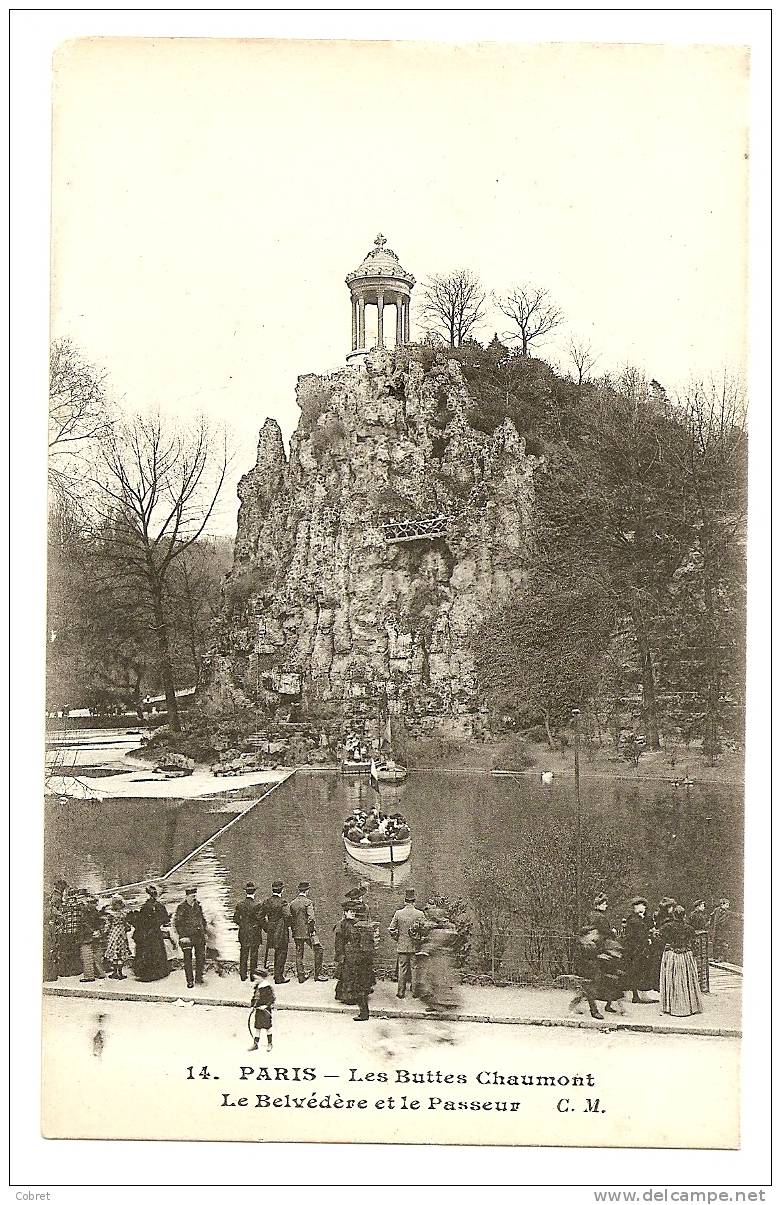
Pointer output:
x,y
263,1000
117,945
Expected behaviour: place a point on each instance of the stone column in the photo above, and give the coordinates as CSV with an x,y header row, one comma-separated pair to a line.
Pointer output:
x,y
354,308
380,306
405,336
361,322
399,322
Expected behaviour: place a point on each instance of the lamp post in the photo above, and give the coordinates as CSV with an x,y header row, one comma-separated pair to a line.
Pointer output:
x,y
579,847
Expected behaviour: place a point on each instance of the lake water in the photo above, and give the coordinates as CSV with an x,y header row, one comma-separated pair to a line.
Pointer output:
x,y
501,843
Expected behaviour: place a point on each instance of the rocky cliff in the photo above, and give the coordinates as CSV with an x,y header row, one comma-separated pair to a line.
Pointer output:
x,y
323,601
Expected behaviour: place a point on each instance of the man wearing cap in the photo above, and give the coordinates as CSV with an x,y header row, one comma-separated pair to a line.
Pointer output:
x,y
598,918
247,918
275,912
190,924
402,928
302,924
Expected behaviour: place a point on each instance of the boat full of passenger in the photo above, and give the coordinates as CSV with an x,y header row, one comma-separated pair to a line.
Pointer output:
x,y
377,839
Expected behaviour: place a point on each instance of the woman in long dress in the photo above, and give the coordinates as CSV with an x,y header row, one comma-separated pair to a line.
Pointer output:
x,y
117,944
679,985
151,959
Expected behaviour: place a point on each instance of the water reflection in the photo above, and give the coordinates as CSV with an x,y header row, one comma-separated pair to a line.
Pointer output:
x,y
672,844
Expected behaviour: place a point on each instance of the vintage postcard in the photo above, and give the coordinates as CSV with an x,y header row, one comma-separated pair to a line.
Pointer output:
x,y
398,464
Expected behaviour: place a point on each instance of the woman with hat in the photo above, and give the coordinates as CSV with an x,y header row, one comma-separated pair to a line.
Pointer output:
x,y
637,947
598,918
358,969
679,988
342,932
149,929
117,945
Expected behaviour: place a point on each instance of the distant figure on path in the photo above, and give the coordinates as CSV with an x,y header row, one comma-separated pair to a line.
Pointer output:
x,y
699,925
403,925
248,917
263,1001
117,944
190,926
678,985
302,923
276,918
151,925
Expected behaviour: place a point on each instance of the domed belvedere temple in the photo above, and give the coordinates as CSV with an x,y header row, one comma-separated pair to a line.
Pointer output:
x,y
379,281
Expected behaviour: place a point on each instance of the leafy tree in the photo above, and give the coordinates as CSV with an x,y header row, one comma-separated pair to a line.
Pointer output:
x,y
611,508
542,650
708,668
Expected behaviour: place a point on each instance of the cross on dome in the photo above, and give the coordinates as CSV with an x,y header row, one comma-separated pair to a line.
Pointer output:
x,y
380,240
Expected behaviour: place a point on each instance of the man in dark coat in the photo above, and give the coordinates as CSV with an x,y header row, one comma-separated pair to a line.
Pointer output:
x,y
359,960
276,921
302,923
249,921
190,924
637,949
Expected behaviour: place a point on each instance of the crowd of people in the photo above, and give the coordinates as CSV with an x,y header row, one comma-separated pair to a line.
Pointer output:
x,y
374,827
664,952
424,948
93,941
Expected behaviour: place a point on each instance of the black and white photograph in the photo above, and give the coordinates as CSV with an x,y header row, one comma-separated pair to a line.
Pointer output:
x,y
397,529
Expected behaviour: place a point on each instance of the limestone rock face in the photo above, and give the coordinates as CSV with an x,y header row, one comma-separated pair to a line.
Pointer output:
x,y
320,601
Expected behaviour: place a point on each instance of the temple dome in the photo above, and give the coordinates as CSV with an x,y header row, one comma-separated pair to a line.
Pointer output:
x,y
381,263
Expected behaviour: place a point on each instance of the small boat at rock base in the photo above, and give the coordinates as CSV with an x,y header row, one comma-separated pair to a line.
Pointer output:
x,y
389,771
379,853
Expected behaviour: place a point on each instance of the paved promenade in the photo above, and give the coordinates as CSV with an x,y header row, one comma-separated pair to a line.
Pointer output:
x,y
498,1005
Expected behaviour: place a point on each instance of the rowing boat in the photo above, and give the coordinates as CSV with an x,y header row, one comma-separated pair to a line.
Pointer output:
x,y
380,853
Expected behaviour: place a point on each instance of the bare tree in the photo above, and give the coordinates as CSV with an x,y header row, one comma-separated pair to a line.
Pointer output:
x,y
583,359
532,312
156,490
453,305
79,417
